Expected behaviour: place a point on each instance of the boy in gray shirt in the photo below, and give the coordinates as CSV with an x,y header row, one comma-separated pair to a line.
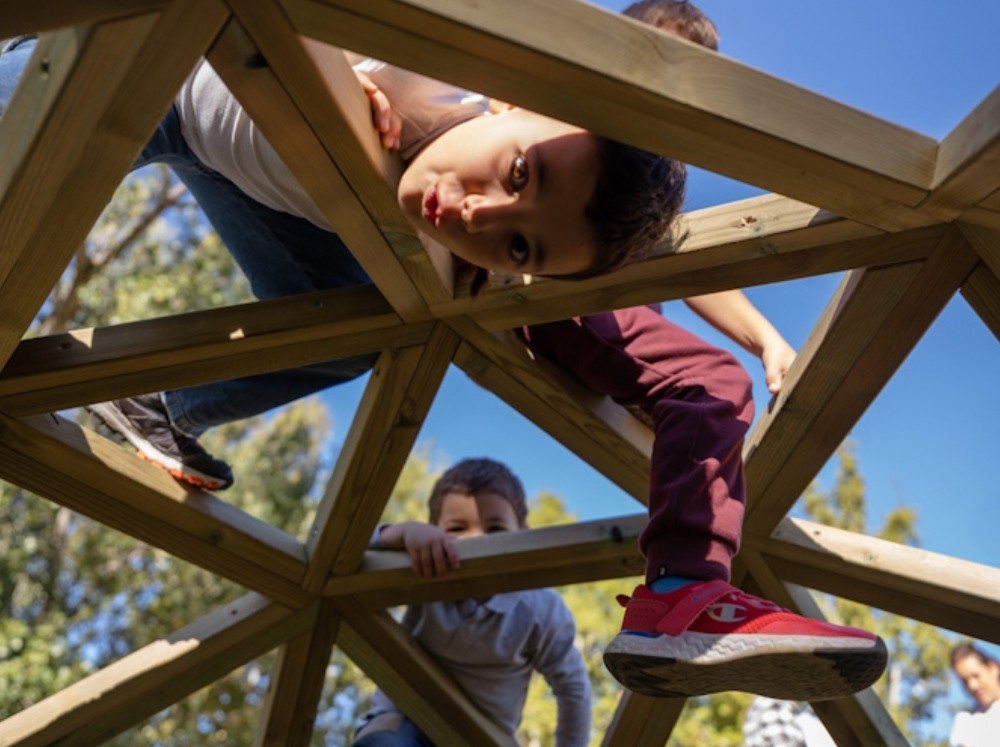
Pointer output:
x,y
490,645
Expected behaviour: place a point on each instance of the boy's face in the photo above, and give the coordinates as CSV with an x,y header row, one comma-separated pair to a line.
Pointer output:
x,y
507,193
982,681
463,515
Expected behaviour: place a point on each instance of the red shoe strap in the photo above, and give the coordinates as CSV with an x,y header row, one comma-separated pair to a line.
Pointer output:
x,y
687,610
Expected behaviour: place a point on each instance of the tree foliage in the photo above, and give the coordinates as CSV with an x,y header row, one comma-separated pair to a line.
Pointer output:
x,y
915,685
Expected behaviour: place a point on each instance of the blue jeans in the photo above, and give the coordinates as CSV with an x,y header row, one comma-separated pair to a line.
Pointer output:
x,y
407,735
280,254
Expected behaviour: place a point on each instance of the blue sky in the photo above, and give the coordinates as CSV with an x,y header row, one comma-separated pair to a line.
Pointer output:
x,y
930,441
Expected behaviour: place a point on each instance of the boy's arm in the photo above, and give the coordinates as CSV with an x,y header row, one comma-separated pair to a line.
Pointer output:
x,y
731,313
431,549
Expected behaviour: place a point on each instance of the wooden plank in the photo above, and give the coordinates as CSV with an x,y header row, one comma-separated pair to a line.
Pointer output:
x,y
968,162
29,16
860,719
992,202
296,683
399,393
76,468
662,279
325,89
272,108
512,561
84,108
941,590
94,365
414,681
735,231
136,687
982,216
605,73
604,434
986,242
982,291
642,721
867,330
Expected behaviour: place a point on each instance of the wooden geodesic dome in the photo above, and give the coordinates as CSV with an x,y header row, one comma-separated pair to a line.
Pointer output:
x,y
911,221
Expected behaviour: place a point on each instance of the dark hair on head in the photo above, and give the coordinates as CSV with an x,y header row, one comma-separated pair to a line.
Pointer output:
x,y
474,476
676,17
637,196
970,649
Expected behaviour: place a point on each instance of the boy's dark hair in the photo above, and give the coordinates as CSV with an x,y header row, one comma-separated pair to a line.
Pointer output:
x,y
473,476
637,196
676,17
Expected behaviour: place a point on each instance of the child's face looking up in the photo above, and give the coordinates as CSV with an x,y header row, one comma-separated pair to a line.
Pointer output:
x,y
463,515
507,193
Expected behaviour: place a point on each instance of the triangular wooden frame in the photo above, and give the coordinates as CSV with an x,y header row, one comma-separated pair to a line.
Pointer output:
x,y
910,219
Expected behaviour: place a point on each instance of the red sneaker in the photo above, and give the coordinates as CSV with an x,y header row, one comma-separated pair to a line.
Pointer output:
x,y
709,637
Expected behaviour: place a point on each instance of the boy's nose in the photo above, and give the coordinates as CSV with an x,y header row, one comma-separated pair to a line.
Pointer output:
x,y
483,212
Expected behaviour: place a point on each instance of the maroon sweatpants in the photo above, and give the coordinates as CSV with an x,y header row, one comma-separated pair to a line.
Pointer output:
x,y
700,401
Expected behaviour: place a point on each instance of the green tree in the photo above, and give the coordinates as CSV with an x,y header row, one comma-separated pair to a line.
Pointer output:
x,y
915,685
75,595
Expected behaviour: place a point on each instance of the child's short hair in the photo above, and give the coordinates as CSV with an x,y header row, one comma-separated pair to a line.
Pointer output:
x,y
676,17
473,476
637,196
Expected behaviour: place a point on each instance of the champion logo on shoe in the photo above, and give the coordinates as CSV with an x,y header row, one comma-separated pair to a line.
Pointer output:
x,y
727,613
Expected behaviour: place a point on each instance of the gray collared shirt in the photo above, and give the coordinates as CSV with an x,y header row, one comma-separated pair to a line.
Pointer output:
x,y
491,650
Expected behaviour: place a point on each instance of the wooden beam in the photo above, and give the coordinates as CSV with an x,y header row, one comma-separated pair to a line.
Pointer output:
x,y
860,719
968,162
552,556
414,681
642,721
663,279
986,242
30,17
982,291
84,108
730,233
944,591
296,683
400,391
324,87
605,73
246,73
603,434
867,330
76,468
98,364
133,689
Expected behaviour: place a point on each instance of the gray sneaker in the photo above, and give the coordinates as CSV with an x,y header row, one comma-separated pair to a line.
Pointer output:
x,y
144,423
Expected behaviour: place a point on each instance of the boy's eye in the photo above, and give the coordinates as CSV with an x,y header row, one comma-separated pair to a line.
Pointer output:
x,y
519,250
496,528
519,173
